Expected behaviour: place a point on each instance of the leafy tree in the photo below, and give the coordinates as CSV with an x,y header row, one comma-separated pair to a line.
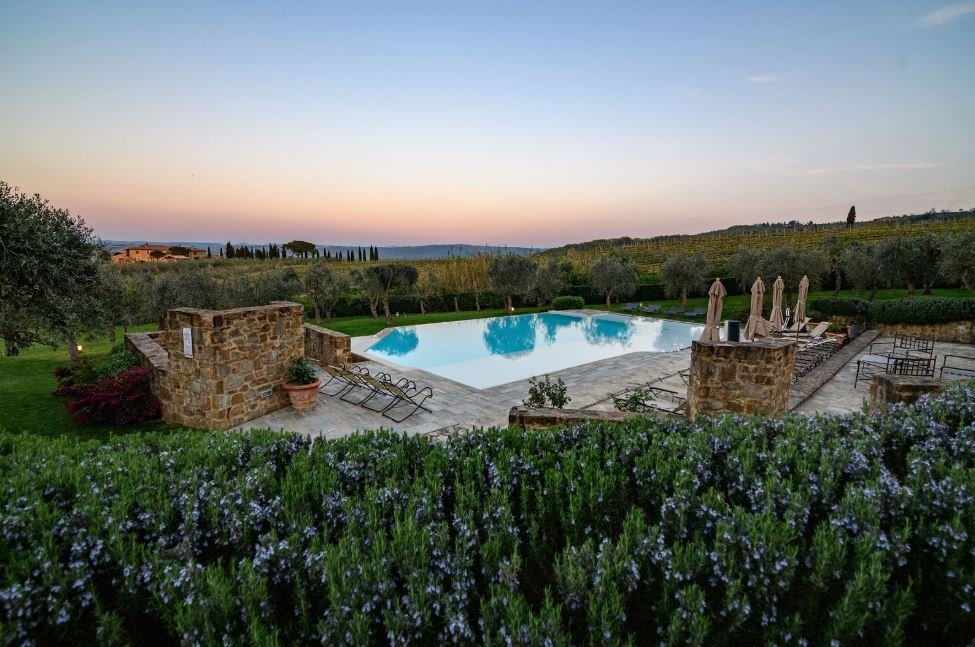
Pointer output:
x,y
792,264
157,254
300,248
391,277
863,268
179,250
851,217
281,285
549,280
230,250
958,259
744,265
47,257
371,285
512,275
614,275
926,251
684,274
428,286
325,287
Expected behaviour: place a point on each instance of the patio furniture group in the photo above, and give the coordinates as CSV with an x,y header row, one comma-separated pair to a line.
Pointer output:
x,y
358,386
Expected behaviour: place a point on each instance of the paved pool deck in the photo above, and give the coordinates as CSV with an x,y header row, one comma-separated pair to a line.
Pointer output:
x,y
456,407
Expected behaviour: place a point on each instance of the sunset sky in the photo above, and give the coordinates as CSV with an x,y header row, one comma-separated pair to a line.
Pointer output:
x,y
520,123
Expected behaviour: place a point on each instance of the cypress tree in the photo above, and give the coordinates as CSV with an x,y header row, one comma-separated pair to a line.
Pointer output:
x,y
230,250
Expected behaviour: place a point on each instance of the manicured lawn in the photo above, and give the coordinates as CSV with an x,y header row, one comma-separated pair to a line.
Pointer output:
x,y
26,382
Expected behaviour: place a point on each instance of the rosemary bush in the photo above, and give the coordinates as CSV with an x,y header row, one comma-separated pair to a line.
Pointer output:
x,y
857,529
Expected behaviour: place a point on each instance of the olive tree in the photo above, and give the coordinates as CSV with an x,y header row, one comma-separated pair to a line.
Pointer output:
x,y
512,275
370,283
863,267
48,260
427,286
958,260
744,265
614,275
325,287
911,262
684,274
549,279
792,264
391,277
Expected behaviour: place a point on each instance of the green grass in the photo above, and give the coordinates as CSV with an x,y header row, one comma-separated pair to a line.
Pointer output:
x,y
26,383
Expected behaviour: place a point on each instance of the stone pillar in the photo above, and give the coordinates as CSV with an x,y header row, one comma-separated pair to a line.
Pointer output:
x,y
743,378
228,366
890,389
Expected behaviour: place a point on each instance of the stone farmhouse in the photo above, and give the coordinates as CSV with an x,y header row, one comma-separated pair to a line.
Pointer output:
x,y
146,253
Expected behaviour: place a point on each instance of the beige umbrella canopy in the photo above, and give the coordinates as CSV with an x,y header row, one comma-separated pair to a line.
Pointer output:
x,y
757,326
800,314
776,320
716,296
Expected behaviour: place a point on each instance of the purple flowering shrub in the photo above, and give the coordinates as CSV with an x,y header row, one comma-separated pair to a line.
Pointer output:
x,y
855,529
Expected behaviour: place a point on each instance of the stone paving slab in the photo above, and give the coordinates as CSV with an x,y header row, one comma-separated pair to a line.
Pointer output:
x,y
838,396
814,380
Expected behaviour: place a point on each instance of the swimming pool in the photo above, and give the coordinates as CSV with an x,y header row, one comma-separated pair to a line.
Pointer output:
x,y
486,352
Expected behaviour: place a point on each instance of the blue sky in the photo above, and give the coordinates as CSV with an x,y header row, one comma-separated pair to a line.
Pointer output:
x,y
517,123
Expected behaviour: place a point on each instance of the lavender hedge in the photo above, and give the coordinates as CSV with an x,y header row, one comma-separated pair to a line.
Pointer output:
x,y
796,531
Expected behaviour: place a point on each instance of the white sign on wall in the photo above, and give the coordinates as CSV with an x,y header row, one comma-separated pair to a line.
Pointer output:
x,y
188,342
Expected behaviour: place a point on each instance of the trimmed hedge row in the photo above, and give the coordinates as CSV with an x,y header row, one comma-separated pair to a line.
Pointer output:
x,y
568,303
909,310
923,310
856,529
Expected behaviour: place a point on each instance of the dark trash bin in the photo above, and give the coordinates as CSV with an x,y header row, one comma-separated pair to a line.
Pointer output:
x,y
734,330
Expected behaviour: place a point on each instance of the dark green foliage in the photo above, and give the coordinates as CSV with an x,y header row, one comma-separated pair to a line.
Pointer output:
x,y
856,529
301,371
856,308
923,310
544,392
568,303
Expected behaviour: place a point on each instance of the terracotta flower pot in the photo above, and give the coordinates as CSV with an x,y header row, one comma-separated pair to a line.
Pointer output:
x,y
303,395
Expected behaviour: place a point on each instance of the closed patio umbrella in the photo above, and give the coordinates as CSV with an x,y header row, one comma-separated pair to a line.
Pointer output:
x,y
716,296
776,320
757,325
801,303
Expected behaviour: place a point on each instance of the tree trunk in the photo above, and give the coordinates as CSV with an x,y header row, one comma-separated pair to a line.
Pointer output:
x,y
328,314
372,308
125,327
609,299
683,298
507,303
456,305
873,293
111,333
477,301
423,308
927,289
10,348
910,287
318,314
389,317
73,348
839,284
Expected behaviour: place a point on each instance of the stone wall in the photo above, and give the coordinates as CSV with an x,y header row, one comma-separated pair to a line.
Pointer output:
x,y
528,418
743,378
149,354
955,332
890,389
238,365
327,346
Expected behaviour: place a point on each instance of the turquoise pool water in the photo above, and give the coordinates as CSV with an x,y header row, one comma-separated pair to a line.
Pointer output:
x,y
486,352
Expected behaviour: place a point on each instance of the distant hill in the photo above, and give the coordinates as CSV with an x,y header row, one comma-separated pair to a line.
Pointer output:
x,y
718,246
397,252
945,218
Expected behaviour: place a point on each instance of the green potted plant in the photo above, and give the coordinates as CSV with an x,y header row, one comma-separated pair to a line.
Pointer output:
x,y
836,332
302,385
